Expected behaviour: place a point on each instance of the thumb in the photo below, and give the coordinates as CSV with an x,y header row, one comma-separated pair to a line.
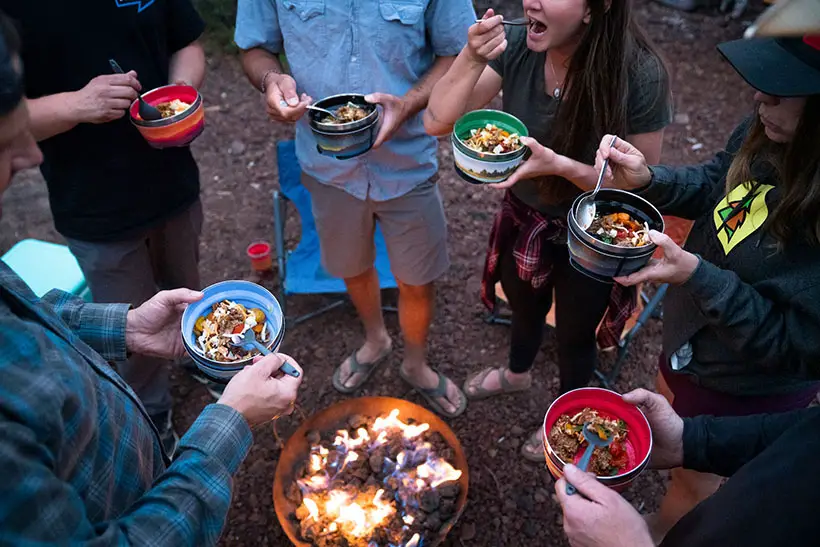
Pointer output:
x,y
663,241
585,483
531,143
288,88
638,397
176,297
489,13
265,367
374,98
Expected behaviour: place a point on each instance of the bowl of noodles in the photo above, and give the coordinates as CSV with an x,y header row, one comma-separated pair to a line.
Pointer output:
x,y
351,132
606,413
183,116
487,146
617,243
227,309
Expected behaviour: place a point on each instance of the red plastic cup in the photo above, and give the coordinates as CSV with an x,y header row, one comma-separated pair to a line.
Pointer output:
x,y
260,254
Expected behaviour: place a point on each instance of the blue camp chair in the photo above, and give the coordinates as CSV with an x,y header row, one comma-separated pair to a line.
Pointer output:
x,y
300,270
45,266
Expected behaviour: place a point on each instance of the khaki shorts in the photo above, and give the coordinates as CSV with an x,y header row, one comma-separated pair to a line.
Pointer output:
x,y
413,226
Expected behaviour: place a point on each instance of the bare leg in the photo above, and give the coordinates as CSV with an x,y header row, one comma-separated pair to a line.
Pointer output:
x,y
366,297
685,490
416,303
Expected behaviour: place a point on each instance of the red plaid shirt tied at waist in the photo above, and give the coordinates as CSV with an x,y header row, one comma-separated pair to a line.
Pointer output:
x,y
528,231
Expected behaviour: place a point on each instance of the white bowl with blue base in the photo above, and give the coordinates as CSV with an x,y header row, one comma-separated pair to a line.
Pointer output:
x,y
249,295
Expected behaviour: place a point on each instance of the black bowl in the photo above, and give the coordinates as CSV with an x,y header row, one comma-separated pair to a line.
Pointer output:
x,y
335,101
603,261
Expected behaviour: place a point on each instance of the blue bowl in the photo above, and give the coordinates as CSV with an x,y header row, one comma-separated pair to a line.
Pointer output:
x,y
249,295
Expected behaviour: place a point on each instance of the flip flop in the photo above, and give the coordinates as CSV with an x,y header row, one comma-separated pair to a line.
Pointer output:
x,y
431,395
480,392
533,442
365,369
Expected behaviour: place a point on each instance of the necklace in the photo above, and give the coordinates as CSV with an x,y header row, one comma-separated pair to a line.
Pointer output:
x,y
557,91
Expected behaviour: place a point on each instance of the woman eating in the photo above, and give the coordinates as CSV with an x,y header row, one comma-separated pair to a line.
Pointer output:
x,y
742,317
579,69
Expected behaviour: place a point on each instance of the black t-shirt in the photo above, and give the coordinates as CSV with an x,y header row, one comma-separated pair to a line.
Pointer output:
x,y
525,97
105,182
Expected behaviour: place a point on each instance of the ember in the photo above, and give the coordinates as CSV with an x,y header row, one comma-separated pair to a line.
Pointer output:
x,y
375,483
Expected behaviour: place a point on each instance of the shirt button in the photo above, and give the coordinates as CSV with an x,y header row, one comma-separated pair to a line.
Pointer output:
x,y
354,58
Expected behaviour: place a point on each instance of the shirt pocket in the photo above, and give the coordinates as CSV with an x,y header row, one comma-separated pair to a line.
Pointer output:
x,y
305,9
401,28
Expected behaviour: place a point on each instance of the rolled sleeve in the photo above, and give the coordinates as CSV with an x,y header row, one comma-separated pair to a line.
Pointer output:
x,y
101,326
447,23
257,25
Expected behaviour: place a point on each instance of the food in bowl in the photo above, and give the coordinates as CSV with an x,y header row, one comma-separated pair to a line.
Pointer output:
x,y
491,139
214,331
347,113
619,229
172,108
567,438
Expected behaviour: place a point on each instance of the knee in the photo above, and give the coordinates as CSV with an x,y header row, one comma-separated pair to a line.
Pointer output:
x,y
415,291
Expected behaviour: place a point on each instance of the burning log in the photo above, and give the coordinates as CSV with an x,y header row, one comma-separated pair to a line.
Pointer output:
x,y
375,483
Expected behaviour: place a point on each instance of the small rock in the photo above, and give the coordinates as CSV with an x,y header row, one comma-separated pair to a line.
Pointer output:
x,y
525,503
517,431
237,148
467,531
492,452
256,186
540,498
682,118
510,506
697,146
530,528
515,443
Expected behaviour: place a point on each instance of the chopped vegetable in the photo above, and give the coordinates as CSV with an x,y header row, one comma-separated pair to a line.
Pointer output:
x,y
567,439
226,319
492,139
619,229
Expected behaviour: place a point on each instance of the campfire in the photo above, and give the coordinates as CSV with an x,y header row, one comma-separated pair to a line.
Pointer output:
x,y
374,479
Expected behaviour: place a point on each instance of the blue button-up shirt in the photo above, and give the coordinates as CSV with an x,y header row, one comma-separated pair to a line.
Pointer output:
x,y
81,462
361,46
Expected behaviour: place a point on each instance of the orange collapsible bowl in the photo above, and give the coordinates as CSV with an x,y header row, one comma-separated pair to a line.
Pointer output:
x,y
638,443
177,130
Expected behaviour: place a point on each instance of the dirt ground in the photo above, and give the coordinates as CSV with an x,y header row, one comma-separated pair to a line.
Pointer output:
x,y
510,502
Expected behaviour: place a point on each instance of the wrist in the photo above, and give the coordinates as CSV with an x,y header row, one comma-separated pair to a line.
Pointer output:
x,y
268,78
131,339
74,112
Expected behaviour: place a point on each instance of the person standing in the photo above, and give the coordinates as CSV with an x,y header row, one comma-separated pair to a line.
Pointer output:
x,y
394,53
82,462
130,213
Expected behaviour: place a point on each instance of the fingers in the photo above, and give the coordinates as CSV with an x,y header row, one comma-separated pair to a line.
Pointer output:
x,y
287,87
128,79
376,98
663,241
652,402
491,45
585,483
649,273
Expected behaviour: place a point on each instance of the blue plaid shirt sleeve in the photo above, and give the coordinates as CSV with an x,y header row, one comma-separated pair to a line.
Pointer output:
x,y
187,504
101,326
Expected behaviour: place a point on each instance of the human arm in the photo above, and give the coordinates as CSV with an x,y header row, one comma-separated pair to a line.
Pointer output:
x,y
470,82
259,37
723,445
188,66
685,192
104,99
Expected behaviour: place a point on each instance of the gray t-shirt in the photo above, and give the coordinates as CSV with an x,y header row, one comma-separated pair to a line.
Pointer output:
x,y
525,97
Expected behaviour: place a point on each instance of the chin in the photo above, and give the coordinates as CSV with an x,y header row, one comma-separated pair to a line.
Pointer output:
x,y
538,43
774,136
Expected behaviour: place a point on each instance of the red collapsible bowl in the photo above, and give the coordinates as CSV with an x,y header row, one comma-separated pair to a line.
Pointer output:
x,y
638,443
177,130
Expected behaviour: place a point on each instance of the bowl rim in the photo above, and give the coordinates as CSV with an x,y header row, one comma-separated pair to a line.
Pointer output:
x,y
347,126
348,133
590,240
626,475
236,365
648,249
496,157
170,119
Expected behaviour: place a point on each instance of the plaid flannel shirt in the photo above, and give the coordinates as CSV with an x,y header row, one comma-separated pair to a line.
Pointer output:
x,y
527,230
81,461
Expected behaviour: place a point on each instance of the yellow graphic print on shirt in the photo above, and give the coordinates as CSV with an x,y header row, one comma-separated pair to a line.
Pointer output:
x,y
750,215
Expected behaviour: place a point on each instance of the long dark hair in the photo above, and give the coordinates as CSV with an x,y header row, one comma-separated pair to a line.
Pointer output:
x,y
597,87
796,215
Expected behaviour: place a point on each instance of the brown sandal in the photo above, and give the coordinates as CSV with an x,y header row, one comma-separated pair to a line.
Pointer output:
x,y
480,392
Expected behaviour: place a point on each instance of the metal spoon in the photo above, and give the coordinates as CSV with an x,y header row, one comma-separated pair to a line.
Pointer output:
x,y
147,112
250,342
322,110
585,213
593,442
519,22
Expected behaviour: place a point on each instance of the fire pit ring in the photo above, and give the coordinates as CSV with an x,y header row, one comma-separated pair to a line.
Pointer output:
x,y
297,449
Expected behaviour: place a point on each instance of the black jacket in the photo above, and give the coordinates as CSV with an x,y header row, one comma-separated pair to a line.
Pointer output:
x,y
773,495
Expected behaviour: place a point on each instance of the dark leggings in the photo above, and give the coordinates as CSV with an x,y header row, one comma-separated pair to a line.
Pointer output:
x,y
580,304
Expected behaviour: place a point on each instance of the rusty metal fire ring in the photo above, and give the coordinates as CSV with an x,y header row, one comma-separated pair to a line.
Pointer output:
x,y
297,449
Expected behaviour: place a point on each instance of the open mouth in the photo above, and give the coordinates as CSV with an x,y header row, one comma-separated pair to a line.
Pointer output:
x,y
537,27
